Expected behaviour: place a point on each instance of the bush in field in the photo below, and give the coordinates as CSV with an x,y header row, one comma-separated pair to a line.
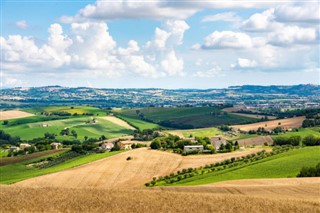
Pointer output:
x,y
311,141
155,145
310,171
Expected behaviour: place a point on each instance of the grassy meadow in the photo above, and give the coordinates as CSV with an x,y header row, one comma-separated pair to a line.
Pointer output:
x,y
19,171
29,131
287,164
303,132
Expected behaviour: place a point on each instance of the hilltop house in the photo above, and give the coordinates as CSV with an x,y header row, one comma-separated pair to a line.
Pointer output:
x,y
216,142
56,145
193,148
126,145
24,145
14,148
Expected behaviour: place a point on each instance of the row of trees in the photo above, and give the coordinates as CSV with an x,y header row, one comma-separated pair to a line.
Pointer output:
x,y
145,135
214,167
296,140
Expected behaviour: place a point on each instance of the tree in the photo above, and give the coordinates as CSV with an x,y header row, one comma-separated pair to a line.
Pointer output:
x,y
5,122
85,138
102,138
155,145
74,133
116,147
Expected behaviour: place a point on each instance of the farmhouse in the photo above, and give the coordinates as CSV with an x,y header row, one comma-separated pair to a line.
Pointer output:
x,y
107,146
216,142
24,145
193,148
14,148
126,145
56,145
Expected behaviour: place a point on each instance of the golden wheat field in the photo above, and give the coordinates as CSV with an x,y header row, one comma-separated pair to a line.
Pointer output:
x,y
23,199
269,125
257,141
11,114
116,171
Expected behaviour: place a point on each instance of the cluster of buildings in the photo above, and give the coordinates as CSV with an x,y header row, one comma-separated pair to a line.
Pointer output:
x,y
22,146
215,141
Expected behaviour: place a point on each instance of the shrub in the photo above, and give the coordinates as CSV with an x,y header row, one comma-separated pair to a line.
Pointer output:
x,y
310,171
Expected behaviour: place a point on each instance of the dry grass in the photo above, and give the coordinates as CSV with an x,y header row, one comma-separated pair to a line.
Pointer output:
x,y
257,141
117,172
269,125
10,114
118,122
20,199
293,188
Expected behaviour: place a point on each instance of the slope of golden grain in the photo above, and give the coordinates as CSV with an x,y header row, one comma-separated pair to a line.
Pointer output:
x,y
269,125
118,122
117,172
23,199
257,141
10,114
295,188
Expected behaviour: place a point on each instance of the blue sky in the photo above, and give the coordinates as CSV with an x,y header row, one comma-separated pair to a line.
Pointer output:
x,y
180,44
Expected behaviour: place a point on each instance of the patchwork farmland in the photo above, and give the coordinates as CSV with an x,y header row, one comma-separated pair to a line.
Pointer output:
x,y
269,125
184,117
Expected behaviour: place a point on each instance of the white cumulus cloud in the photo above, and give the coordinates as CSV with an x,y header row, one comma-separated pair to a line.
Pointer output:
x,y
227,16
227,39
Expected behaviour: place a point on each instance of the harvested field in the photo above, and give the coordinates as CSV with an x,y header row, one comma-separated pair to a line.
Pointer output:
x,y
117,172
296,188
257,141
22,199
11,114
269,125
118,122
10,160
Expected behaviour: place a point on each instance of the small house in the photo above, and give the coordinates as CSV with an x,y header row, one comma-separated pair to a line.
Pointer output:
x,y
216,142
107,146
14,148
56,145
126,145
24,145
193,148
45,125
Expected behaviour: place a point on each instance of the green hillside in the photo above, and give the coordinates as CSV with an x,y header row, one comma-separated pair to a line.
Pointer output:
x,y
287,164
184,117
92,130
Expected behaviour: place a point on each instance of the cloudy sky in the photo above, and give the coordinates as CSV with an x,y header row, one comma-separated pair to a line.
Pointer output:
x,y
167,44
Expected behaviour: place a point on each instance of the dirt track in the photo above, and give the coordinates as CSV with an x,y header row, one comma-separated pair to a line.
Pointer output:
x,y
11,114
117,172
269,125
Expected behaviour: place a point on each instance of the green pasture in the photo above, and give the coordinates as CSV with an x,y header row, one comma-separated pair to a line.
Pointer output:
x,y
287,164
91,130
